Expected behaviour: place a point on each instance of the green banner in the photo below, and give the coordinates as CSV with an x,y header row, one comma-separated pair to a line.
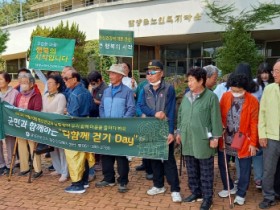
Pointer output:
x,y
140,137
51,53
116,43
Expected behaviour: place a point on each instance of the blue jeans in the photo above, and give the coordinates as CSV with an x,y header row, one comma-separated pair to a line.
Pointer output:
x,y
258,165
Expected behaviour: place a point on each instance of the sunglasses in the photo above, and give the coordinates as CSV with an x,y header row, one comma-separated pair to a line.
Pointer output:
x,y
66,78
152,72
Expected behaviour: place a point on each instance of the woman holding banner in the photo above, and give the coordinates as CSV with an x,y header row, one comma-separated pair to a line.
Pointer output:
x,y
8,94
55,102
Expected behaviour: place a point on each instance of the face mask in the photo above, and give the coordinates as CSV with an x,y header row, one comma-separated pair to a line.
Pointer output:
x,y
94,87
155,83
238,95
24,87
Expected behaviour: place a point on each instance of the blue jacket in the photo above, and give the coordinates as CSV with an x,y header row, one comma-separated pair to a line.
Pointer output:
x,y
79,101
117,102
163,99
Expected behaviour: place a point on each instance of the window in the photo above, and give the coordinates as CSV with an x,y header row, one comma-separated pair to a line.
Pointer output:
x,y
89,2
67,7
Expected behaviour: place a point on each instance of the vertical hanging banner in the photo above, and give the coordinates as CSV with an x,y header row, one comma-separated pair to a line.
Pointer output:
x,y
51,54
116,43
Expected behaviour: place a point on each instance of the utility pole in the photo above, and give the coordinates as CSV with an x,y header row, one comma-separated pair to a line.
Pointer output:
x,y
20,11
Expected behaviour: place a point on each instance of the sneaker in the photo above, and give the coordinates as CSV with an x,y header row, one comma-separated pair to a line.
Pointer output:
x,y
51,168
122,188
258,184
239,200
193,198
155,191
149,176
86,184
78,189
129,158
54,173
266,203
63,178
23,173
104,184
176,197
91,174
206,204
224,193
37,174
140,168
2,170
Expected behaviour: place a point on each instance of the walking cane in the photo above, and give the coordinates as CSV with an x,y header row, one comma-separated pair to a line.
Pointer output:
x,y
227,176
13,160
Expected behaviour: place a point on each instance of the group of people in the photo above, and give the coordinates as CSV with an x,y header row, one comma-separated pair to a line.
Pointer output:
x,y
207,122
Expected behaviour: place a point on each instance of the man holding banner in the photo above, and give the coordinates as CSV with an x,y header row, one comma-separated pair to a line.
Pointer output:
x,y
117,102
78,105
158,100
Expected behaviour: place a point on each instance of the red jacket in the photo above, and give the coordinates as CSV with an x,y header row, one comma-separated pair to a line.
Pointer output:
x,y
35,102
248,120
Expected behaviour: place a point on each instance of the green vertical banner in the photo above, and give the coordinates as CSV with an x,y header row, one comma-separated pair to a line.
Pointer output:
x,y
51,54
116,43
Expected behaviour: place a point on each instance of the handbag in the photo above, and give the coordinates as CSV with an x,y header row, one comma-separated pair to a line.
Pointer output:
x,y
43,148
238,141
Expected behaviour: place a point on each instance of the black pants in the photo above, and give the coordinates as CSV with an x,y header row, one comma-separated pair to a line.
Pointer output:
x,y
148,165
167,168
277,179
108,171
85,176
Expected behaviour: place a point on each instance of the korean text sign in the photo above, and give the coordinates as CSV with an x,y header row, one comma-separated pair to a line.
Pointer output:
x,y
116,43
140,137
51,53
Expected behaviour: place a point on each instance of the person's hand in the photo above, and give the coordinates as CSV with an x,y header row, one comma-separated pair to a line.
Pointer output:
x,y
214,143
252,150
96,101
132,82
160,115
178,139
263,142
170,138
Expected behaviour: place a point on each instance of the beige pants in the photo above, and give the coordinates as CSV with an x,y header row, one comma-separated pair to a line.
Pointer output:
x,y
24,155
76,163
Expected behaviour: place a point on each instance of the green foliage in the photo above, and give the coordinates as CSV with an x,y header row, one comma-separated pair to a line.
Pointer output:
x,y
98,62
4,37
179,83
80,61
238,45
2,64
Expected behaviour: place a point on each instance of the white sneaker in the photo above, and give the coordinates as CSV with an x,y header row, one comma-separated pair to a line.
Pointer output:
x,y
224,193
176,197
155,191
239,200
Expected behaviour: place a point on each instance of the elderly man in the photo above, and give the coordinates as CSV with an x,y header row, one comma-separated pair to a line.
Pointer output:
x,y
269,137
158,99
117,102
211,77
79,103
28,98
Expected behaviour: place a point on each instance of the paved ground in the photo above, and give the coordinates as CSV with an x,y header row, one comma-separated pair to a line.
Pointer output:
x,y
47,193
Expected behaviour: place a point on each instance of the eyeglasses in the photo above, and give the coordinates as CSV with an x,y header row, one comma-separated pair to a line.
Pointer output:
x,y
66,78
152,72
275,72
92,83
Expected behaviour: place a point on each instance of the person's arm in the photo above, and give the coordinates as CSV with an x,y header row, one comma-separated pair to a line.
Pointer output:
x,y
254,118
130,104
170,109
61,104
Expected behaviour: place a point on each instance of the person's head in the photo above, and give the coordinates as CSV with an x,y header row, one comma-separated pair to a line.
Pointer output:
x,y
127,69
264,74
154,72
211,76
65,69
23,71
55,84
27,82
71,78
276,72
238,84
49,73
116,73
196,79
5,79
95,79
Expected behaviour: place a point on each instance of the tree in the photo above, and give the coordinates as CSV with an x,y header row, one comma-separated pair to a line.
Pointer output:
x,y
4,37
238,44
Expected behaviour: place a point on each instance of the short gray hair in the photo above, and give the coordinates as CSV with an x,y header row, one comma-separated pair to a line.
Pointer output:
x,y
210,70
29,77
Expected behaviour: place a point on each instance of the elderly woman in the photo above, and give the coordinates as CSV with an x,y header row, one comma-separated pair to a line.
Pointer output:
x,y
239,114
8,94
28,98
199,127
55,102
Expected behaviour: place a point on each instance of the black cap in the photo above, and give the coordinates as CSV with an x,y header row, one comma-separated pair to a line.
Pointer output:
x,y
155,64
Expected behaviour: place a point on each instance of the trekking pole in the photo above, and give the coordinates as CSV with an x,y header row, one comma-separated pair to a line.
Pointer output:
x,y
13,160
227,176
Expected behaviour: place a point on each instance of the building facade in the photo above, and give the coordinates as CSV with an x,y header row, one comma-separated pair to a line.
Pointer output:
x,y
178,32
